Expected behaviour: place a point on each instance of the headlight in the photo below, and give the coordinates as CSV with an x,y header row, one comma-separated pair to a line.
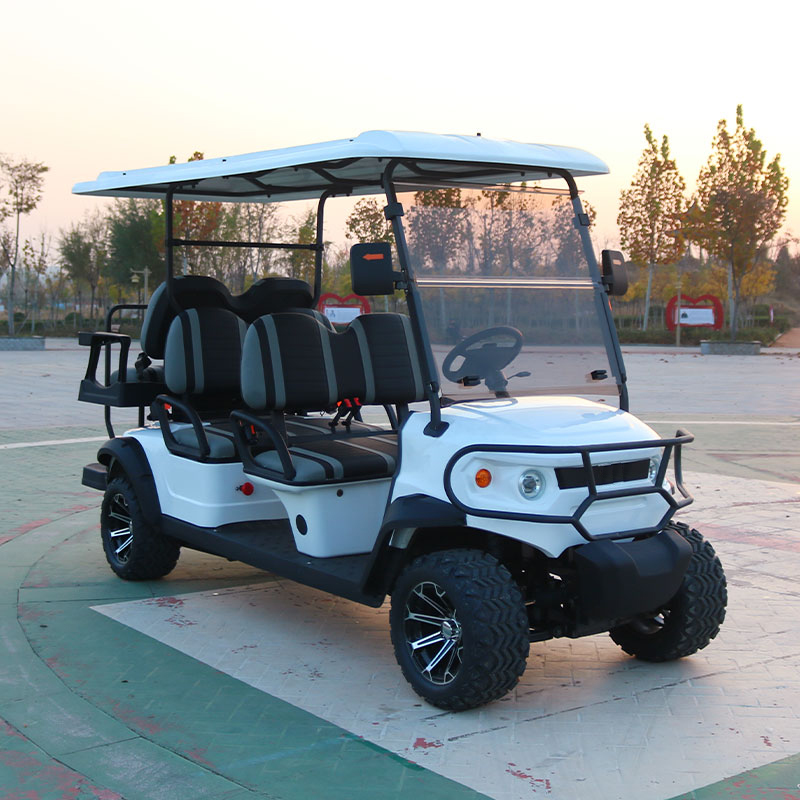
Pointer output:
x,y
531,484
655,463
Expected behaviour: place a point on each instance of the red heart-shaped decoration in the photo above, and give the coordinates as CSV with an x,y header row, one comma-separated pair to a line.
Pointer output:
x,y
333,300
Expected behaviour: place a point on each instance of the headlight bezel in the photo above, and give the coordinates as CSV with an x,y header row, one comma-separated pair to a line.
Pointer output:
x,y
531,484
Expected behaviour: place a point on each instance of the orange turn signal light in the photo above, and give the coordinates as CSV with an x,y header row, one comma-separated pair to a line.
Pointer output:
x,y
483,478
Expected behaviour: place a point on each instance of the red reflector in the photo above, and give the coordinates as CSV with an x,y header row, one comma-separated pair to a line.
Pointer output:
x,y
246,489
373,256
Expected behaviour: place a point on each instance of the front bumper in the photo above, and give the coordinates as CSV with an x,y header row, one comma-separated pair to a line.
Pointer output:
x,y
620,580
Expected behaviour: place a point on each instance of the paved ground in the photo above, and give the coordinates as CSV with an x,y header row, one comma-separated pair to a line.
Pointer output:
x,y
222,682
789,339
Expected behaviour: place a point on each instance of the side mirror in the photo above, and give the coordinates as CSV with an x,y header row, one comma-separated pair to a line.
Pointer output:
x,y
371,268
615,278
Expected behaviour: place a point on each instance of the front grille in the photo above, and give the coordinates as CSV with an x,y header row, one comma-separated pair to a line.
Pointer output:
x,y
576,477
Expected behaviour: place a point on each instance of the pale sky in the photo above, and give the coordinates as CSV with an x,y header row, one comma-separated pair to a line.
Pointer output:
x,y
94,85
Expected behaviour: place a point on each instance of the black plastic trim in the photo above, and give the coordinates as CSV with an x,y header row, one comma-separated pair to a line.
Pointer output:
x,y
619,580
95,476
121,393
243,418
421,511
203,449
269,545
126,454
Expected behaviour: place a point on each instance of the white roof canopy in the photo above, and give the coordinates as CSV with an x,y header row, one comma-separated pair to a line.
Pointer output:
x,y
355,165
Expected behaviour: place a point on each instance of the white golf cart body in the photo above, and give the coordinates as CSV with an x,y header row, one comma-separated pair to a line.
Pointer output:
x,y
544,468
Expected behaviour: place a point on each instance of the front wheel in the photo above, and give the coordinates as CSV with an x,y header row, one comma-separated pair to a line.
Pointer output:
x,y
691,619
134,549
459,628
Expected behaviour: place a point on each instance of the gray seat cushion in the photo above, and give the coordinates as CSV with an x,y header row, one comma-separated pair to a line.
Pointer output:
x,y
220,441
335,458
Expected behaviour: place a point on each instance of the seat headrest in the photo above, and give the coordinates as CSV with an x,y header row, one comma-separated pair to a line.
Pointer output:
x,y
265,296
190,291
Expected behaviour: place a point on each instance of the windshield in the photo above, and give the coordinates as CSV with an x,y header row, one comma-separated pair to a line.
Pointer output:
x,y
508,301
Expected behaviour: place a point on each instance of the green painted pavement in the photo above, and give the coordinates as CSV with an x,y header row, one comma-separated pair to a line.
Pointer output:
x,y
196,714
94,709
777,781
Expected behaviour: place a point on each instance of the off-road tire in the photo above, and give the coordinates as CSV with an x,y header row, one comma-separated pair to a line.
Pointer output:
x,y
691,619
134,549
488,612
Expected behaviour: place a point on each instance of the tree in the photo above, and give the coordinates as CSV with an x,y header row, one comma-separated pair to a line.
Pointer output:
x,y
35,258
23,180
255,222
75,251
84,253
649,211
367,222
741,204
135,236
195,220
301,263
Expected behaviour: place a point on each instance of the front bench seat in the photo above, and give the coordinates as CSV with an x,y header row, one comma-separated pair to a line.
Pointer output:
x,y
292,363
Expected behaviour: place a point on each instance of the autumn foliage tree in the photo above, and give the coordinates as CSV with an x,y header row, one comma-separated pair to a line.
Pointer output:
x,y
741,204
649,210
195,220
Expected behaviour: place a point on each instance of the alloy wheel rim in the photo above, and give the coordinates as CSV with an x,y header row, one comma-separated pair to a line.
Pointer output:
x,y
120,527
433,633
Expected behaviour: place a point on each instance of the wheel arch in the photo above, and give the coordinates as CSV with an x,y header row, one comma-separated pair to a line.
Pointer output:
x,y
123,455
419,524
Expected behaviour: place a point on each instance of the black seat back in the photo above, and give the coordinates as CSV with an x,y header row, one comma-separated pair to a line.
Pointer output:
x,y
291,362
203,352
265,296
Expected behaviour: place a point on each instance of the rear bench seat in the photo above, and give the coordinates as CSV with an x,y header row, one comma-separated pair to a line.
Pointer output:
x,y
292,363
202,357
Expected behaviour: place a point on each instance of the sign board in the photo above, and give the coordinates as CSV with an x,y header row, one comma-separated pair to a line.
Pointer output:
x,y
343,310
342,315
696,316
701,312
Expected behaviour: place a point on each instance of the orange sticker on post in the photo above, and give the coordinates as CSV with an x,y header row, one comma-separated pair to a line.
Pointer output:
x,y
373,256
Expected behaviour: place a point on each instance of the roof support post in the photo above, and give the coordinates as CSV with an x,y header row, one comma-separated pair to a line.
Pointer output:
x,y
610,338
169,246
320,247
394,212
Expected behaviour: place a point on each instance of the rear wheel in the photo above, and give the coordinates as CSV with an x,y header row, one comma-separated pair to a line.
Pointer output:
x,y
691,619
134,549
459,628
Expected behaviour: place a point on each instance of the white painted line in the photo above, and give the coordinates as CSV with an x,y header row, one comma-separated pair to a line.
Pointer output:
x,y
49,442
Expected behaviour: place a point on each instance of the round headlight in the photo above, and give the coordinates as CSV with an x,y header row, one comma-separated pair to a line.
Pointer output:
x,y
531,484
655,463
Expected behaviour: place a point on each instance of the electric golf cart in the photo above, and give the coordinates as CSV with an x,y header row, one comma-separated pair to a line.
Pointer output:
x,y
466,447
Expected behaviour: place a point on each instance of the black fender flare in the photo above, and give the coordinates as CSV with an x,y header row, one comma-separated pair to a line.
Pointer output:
x,y
125,454
420,511
409,512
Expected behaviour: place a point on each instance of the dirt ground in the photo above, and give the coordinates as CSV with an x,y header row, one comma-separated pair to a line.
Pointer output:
x,y
789,339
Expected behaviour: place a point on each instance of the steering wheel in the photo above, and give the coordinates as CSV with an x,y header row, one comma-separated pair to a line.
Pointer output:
x,y
484,357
